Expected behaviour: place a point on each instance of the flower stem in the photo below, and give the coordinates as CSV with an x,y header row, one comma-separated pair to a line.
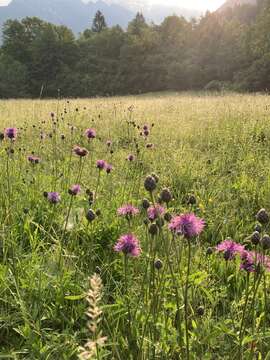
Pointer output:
x,y
186,301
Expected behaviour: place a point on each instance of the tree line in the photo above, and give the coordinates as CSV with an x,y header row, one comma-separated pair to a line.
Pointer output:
x,y
221,50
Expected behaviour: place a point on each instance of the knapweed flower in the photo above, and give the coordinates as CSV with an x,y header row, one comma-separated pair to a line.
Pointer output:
x,y
127,210
129,245
90,133
230,249
187,225
82,152
155,212
109,168
251,260
101,164
11,133
53,197
33,159
74,190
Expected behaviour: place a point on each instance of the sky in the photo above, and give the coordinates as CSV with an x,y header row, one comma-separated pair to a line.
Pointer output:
x,y
190,4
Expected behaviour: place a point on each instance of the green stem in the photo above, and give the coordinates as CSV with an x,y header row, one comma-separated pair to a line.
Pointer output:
x,y
186,301
243,318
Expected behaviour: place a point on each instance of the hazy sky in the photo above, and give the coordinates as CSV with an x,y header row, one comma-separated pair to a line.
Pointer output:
x,y
191,4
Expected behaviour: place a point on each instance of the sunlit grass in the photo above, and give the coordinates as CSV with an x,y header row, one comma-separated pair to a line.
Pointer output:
x,y
215,147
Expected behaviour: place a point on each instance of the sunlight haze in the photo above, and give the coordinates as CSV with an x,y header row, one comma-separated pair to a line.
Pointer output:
x,y
190,4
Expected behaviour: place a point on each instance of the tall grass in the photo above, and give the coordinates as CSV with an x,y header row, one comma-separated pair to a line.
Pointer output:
x,y
179,299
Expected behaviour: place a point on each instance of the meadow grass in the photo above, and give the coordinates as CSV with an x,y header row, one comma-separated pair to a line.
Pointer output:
x,y
211,148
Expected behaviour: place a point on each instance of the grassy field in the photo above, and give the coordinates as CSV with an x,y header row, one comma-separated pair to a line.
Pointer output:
x,y
181,298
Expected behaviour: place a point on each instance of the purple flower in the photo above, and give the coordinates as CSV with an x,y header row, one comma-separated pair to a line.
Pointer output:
x,y
145,127
250,259
101,164
11,133
129,245
90,133
33,159
74,190
127,210
188,225
53,197
155,211
80,151
109,168
247,262
230,249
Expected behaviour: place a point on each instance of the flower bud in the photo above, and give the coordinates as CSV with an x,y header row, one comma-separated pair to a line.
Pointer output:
x,y
200,311
166,195
265,242
255,238
153,229
191,200
150,183
158,264
90,215
263,216
145,204
167,217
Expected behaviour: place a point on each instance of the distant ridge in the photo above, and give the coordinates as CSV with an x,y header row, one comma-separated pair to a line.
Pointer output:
x,y
78,14
233,3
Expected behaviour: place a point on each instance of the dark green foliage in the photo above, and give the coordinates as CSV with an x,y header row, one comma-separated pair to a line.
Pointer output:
x,y
230,48
99,23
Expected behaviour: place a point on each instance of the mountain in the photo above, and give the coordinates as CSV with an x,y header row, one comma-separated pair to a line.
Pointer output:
x,y
78,14
233,3
73,13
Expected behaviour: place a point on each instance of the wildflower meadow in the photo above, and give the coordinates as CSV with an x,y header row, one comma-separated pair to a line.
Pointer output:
x,y
135,228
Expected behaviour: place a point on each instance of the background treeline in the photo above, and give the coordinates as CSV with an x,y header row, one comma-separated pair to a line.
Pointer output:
x,y
222,50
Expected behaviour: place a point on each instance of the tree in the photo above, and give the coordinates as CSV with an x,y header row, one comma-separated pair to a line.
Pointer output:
x,y
99,22
137,25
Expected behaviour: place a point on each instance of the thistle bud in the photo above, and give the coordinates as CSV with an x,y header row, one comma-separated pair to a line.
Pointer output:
x,y
150,183
265,242
263,216
158,264
255,238
166,195
153,229
90,215
145,204
200,311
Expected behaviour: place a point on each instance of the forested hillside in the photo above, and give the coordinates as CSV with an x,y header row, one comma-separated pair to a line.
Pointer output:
x,y
222,50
